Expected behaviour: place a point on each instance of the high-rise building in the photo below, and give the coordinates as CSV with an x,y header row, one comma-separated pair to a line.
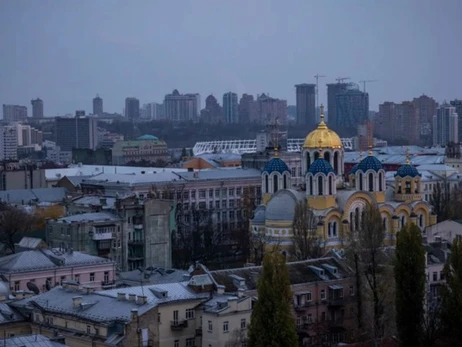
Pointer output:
x,y
266,110
445,125
332,90
426,108
14,113
77,132
97,105
37,108
182,107
230,107
152,111
213,112
306,103
245,105
458,105
8,143
352,109
132,109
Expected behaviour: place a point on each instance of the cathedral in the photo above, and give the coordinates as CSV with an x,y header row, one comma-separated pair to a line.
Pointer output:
x,y
337,205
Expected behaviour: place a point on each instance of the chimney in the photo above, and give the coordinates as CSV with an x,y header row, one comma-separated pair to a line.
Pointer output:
x,y
121,296
76,301
142,299
240,293
131,297
88,289
134,314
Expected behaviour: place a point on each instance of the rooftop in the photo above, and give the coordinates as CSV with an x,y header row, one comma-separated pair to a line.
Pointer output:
x,y
89,217
152,275
9,315
30,341
220,173
29,196
45,259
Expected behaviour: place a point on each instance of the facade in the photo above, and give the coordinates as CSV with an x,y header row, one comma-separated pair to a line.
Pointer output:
x,y
267,110
245,108
182,107
8,143
37,108
146,147
458,105
426,108
213,112
14,113
97,105
352,109
47,268
230,107
152,111
337,206
77,132
445,125
132,232
332,90
132,109
28,135
14,176
306,103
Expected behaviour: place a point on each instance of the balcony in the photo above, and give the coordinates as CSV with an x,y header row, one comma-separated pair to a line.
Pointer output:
x,y
102,236
178,324
336,301
138,226
303,306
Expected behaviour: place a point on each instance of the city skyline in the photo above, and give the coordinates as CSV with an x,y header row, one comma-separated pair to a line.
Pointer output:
x,y
144,62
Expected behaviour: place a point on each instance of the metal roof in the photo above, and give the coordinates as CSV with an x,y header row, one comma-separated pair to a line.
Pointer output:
x,y
89,217
26,196
29,341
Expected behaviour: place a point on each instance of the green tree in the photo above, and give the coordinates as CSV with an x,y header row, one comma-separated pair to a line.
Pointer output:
x,y
272,323
451,317
409,270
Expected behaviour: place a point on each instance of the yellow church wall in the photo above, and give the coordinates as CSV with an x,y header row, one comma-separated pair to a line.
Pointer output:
x,y
321,202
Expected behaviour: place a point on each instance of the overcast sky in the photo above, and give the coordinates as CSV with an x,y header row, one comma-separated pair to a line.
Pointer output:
x,y
67,51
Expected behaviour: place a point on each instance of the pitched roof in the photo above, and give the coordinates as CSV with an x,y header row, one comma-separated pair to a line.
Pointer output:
x,y
41,259
9,314
35,340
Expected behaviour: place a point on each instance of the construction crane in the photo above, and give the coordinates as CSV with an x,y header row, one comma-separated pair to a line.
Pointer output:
x,y
342,79
364,83
317,88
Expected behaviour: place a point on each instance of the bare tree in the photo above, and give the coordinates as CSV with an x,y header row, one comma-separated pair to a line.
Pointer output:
x,y
306,243
237,338
14,224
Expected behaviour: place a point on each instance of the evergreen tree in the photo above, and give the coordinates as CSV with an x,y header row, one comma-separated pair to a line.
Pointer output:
x,y
410,285
272,323
451,317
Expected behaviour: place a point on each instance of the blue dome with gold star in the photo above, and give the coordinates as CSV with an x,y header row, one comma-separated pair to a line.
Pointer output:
x,y
276,165
370,163
407,170
320,165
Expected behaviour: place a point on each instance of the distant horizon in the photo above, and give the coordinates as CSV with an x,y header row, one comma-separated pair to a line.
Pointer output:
x,y
68,52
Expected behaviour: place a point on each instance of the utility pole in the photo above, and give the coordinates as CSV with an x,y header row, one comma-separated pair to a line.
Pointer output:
x,y
364,83
317,76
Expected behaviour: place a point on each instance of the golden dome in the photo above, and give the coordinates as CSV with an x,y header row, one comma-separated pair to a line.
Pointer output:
x,y
322,136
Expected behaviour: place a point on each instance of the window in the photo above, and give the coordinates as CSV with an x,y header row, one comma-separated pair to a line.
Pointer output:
x,y
17,285
88,329
323,294
435,276
238,191
352,291
226,327
323,317
308,296
210,326
320,185
190,342
158,317
176,343
210,193
201,193
275,184
231,191
310,318
92,276
243,323
189,313
106,276
77,278
37,318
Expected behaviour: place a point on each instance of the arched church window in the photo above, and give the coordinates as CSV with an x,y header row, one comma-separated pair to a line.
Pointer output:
x,y
327,156
336,160
421,221
308,163
330,185
371,182
334,229
320,185
380,182
329,229
357,218
399,187
403,221
351,221
416,187
360,181
285,181
384,223
311,185
266,184
275,183
408,187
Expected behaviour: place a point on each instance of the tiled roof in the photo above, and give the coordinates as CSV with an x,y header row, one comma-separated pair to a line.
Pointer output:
x,y
407,170
89,217
370,163
26,196
276,165
42,259
299,272
320,165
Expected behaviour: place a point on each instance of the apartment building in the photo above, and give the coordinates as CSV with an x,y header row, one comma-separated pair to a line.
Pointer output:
x,y
47,268
182,107
266,110
14,113
76,132
8,143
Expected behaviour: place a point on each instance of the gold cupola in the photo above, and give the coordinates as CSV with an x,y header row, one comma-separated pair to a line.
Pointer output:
x,y
322,134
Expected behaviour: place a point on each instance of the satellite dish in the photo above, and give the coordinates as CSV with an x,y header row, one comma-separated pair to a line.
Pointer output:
x,y
32,287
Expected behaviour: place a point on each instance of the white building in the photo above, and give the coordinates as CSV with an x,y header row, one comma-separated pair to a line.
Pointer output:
x,y
445,125
8,143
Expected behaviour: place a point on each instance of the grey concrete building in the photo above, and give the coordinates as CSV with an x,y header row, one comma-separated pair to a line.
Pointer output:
x,y
98,106
15,176
306,103
230,107
37,108
132,109
77,132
